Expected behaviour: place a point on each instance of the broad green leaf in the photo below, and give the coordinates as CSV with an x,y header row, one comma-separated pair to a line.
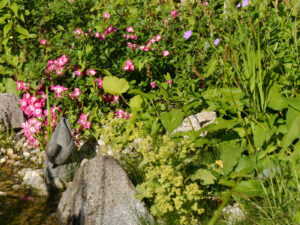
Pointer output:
x,y
10,86
205,176
259,136
171,120
211,67
293,127
88,49
297,217
3,3
6,29
14,8
250,188
136,103
114,85
4,18
275,100
23,31
230,155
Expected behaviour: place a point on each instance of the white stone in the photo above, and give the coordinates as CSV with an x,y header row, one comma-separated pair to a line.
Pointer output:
x,y
35,151
3,160
10,152
26,155
2,193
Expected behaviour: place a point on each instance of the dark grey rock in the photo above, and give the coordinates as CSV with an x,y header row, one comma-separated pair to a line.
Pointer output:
x,y
101,194
61,144
59,163
11,114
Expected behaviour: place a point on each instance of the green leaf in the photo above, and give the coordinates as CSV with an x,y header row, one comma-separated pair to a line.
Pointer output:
x,y
136,103
6,29
211,67
259,136
205,176
293,127
10,86
230,155
3,3
171,120
297,217
23,31
115,86
4,18
250,188
106,72
275,100
88,49
14,8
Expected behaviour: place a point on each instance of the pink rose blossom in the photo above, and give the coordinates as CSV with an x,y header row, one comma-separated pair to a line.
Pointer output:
x,y
130,29
153,84
169,81
106,15
166,53
43,42
91,72
99,83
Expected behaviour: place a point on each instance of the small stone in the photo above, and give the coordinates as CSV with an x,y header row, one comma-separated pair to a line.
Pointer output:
x,y
17,163
2,193
3,150
20,143
26,155
10,162
23,171
33,159
14,156
2,160
10,152
16,187
35,151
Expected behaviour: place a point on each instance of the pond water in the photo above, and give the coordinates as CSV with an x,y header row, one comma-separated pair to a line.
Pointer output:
x,y
19,206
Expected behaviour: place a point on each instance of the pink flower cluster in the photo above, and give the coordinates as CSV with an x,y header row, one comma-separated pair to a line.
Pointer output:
x,y
99,83
77,33
130,36
32,106
58,65
102,36
128,65
112,99
22,86
58,90
130,45
110,29
30,129
151,41
174,14
83,120
122,114
76,93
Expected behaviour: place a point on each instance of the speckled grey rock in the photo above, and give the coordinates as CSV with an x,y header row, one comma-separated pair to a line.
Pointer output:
x,y
196,122
101,194
233,214
33,179
11,114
